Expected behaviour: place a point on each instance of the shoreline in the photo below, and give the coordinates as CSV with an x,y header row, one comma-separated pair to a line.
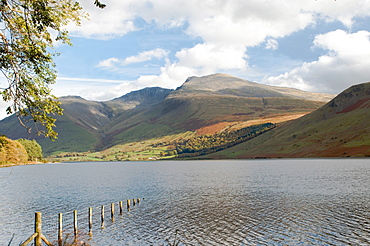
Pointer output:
x,y
21,164
192,159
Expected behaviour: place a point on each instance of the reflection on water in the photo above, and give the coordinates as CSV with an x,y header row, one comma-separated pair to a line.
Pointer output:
x,y
251,202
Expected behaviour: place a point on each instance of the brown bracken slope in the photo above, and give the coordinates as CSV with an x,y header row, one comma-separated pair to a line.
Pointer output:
x,y
341,128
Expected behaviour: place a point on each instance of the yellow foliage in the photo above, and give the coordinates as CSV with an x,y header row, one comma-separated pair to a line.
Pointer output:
x,y
12,152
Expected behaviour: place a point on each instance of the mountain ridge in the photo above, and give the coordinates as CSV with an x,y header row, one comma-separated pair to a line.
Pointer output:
x,y
223,84
157,112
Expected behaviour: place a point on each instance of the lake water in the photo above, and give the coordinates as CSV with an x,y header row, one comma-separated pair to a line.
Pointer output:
x,y
241,202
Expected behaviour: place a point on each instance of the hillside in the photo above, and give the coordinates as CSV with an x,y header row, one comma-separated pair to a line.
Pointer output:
x,y
210,102
201,104
340,128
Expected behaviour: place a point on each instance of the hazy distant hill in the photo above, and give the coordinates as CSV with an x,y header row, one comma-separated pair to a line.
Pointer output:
x,y
340,128
154,112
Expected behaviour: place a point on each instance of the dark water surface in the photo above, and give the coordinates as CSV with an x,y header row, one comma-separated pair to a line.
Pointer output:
x,y
244,202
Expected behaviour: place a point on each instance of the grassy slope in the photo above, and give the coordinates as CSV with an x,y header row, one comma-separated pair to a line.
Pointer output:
x,y
71,138
144,131
340,128
76,129
176,115
133,151
134,133
90,115
11,128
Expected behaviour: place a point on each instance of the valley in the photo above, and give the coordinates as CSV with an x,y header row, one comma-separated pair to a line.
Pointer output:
x,y
144,124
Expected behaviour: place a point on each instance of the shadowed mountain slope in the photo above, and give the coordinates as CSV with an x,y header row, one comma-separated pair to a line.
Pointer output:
x,y
140,98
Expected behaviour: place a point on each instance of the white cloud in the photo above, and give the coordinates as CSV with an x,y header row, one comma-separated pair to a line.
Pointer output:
x,y
272,44
90,80
227,29
200,60
114,63
248,23
345,63
91,89
3,107
233,21
210,57
109,63
146,56
117,19
171,76
344,10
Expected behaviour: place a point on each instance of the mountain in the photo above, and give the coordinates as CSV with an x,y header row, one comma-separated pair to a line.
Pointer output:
x,y
201,104
205,102
141,98
340,128
223,84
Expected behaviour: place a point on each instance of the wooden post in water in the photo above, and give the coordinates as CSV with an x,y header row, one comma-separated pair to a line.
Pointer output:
x,y
90,220
138,200
37,236
128,204
134,202
38,229
112,211
120,207
60,230
75,222
102,216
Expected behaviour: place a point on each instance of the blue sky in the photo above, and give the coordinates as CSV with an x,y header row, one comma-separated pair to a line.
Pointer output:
x,y
313,45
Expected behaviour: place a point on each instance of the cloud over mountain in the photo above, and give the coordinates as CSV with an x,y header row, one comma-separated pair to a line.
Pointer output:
x,y
341,63
223,36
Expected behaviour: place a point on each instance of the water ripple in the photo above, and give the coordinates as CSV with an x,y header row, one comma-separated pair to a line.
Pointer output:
x,y
198,203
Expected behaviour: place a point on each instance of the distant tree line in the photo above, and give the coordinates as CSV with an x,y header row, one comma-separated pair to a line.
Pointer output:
x,y
19,151
168,153
207,144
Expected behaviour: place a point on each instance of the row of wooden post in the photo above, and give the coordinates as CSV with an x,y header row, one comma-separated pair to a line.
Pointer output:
x,y
38,237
